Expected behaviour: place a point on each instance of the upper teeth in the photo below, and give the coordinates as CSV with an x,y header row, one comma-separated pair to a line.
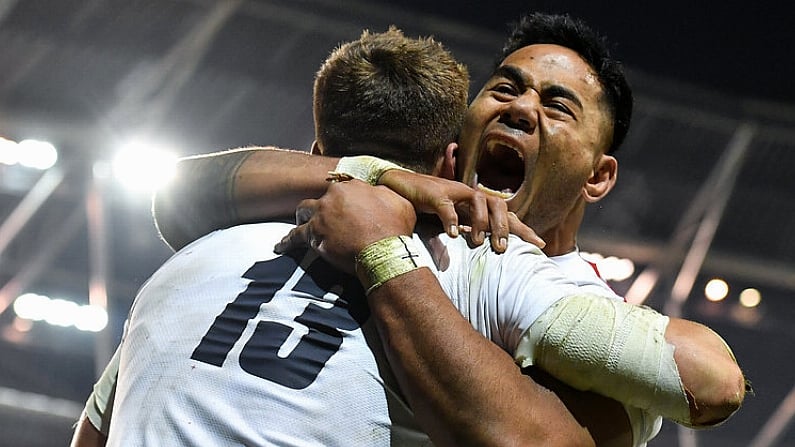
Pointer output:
x,y
505,194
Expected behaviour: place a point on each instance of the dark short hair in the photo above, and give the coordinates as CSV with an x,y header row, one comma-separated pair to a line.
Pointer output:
x,y
563,30
391,96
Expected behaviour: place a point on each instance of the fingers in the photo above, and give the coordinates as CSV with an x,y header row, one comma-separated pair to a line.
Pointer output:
x,y
298,237
305,210
498,223
301,235
524,232
490,214
479,219
445,210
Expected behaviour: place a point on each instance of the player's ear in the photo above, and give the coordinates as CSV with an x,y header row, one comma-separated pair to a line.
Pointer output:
x,y
602,179
315,149
446,166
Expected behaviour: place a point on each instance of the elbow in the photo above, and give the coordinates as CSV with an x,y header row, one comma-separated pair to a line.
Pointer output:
x,y
568,439
721,400
532,429
563,430
581,438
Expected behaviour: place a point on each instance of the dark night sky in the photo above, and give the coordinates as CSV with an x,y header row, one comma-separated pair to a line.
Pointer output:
x,y
740,48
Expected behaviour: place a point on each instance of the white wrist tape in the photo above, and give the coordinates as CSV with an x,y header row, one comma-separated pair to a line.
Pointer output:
x,y
610,347
386,259
365,168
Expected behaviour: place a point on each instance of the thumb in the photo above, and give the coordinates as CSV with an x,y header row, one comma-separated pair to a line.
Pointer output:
x,y
305,210
298,237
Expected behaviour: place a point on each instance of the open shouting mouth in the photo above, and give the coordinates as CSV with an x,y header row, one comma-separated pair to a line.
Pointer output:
x,y
500,170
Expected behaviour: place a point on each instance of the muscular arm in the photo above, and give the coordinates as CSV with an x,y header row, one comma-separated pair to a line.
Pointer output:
x,y
219,190
672,367
609,427
493,403
464,389
713,380
701,384
228,188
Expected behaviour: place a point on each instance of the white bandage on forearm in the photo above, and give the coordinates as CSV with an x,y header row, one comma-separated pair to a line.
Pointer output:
x,y
365,168
610,347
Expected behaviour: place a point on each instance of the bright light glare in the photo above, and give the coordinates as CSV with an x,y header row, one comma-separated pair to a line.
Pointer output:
x,y
716,289
611,268
91,318
750,297
29,153
9,152
619,268
642,286
37,154
59,312
142,167
31,306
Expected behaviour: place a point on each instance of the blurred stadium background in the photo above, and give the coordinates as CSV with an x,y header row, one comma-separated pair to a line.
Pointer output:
x,y
700,225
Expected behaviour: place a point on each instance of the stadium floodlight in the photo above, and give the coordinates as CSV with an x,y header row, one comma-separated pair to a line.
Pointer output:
x,y
60,312
611,268
142,167
37,154
750,297
29,153
716,289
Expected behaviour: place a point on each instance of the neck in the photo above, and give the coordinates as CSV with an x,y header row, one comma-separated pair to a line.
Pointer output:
x,y
562,238
428,229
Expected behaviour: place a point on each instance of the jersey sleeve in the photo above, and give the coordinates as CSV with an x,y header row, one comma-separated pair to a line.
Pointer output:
x,y
523,284
99,405
645,425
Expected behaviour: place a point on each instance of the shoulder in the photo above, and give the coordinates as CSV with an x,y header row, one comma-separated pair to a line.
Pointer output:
x,y
584,274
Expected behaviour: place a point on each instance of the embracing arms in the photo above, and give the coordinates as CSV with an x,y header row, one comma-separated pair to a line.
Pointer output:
x,y
463,389
248,178
227,188
223,189
672,367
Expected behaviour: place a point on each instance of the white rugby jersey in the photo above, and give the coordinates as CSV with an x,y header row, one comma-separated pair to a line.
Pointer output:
x,y
502,295
584,274
230,344
238,346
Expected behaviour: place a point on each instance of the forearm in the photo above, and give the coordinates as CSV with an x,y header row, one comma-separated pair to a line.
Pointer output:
x,y
86,435
270,183
94,423
464,389
605,418
223,189
674,368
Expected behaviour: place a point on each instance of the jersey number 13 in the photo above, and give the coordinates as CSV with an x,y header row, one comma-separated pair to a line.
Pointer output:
x,y
259,356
